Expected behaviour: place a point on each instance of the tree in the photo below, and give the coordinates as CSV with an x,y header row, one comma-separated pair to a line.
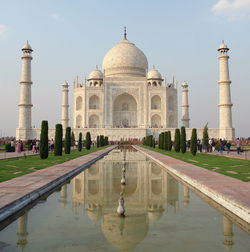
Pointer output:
x,y
101,140
165,140
58,140
80,142
205,138
44,150
169,144
106,139
98,141
177,140
193,144
183,140
67,140
162,140
153,142
88,140
72,139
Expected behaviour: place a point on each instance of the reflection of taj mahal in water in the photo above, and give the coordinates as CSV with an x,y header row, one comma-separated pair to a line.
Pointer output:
x,y
150,192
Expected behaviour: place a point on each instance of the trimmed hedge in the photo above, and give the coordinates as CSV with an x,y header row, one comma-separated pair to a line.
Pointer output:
x,y
58,140
193,144
183,141
44,148
80,142
67,140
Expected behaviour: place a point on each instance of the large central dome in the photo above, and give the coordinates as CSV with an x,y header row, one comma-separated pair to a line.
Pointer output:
x,y
125,59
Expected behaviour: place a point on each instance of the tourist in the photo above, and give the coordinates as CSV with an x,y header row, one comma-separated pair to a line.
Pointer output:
x,y
221,146
18,146
238,145
210,145
213,144
12,144
228,147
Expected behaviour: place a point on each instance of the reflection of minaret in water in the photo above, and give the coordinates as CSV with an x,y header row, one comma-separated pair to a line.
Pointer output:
x,y
186,195
63,199
172,192
22,231
227,233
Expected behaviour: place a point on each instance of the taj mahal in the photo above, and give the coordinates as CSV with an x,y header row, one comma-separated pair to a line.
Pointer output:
x,y
125,100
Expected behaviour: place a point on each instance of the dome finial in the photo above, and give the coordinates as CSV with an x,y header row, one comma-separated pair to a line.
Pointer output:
x,y
125,32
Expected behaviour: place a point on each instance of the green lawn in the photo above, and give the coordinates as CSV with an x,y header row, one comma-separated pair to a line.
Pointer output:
x,y
15,167
236,168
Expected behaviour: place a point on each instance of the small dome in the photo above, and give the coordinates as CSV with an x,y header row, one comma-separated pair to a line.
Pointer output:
x,y
184,84
223,46
27,46
96,75
154,74
125,59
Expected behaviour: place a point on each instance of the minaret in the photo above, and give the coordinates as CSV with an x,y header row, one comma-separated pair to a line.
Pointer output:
x,y
227,233
22,231
65,105
225,105
185,107
24,125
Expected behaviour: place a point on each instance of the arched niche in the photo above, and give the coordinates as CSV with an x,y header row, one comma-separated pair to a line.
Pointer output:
x,y
93,186
94,102
78,103
79,121
156,102
78,186
94,121
171,103
125,111
155,121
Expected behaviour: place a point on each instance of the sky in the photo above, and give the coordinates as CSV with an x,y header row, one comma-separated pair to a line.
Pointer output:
x,y
70,38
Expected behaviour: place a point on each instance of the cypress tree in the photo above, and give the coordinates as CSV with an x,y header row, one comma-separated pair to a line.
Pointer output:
x,y
106,140
67,140
98,141
44,150
183,140
177,140
72,139
165,140
88,140
193,143
205,138
162,140
101,140
153,142
58,140
80,142
169,141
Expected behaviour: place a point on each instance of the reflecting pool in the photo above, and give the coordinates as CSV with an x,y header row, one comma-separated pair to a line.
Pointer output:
x,y
161,214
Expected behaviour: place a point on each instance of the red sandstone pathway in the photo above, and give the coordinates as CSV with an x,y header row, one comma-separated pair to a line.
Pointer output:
x,y
226,188
13,190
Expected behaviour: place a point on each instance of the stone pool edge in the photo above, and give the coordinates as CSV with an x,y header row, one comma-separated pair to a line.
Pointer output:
x,y
19,203
233,206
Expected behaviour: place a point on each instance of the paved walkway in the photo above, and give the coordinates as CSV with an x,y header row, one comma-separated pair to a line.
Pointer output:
x,y
6,155
231,193
232,154
19,192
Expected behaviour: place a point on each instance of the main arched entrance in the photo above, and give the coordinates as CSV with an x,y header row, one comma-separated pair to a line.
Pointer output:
x,y
125,111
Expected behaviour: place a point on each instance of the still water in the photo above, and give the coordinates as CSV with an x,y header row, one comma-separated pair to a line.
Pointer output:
x,y
162,214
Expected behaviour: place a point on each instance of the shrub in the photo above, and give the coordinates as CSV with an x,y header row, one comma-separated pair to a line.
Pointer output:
x,y
169,144
177,140
67,140
193,144
80,142
8,147
58,140
101,140
165,140
88,140
43,148
205,138
162,140
72,139
183,144
98,141
106,140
